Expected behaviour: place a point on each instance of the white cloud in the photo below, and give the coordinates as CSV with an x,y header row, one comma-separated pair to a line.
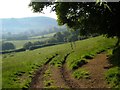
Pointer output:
x,y
19,8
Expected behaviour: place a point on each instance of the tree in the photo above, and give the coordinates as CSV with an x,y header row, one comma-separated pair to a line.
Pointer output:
x,y
59,37
85,16
27,45
8,46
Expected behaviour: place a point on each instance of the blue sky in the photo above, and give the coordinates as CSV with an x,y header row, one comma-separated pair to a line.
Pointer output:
x,y
19,9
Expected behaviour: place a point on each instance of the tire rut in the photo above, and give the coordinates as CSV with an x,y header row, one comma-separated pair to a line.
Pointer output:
x,y
66,75
97,74
37,80
63,78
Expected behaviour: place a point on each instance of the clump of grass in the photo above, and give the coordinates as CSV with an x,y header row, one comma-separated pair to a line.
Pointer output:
x,y
88,56
48,83
100,51
81,74
109,52
47,73
58,60
19,73
78,63
35,66
113,77
5,56
26,84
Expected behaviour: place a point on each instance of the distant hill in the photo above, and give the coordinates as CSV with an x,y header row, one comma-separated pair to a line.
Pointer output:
x,y
17,25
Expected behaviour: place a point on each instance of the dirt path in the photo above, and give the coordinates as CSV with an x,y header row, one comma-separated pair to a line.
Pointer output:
x,y
97,72
37,81
63,79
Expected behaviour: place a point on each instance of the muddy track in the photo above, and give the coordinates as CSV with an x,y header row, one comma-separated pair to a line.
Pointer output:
x,y
63,78
37,80
96,69
66,75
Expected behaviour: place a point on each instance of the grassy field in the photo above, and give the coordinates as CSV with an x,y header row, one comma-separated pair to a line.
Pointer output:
x,y
18,68
20,43
46,36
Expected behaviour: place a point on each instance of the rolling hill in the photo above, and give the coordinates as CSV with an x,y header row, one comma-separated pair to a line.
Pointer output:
x,y
17,25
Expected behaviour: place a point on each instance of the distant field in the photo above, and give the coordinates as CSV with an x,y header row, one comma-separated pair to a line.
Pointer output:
x,y
18,68
46,36
20,43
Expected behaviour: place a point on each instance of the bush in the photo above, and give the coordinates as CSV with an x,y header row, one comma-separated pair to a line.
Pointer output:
x,y
40,46
52,40
34,47
39,43
27,45
8,46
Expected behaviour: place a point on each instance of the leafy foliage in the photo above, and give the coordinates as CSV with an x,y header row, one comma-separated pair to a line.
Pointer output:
x,y
7,46
114,58
27,45
85,16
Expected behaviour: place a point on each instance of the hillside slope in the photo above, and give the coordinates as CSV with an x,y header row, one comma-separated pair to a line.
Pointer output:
x,y
20,68
15,25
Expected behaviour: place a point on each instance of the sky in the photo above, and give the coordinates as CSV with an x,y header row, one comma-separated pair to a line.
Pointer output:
x,y
19,9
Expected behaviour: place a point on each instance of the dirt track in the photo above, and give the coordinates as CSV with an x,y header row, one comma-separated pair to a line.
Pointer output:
x,y
63,79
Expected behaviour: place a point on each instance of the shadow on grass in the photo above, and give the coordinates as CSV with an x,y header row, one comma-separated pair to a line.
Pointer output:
x,y
113,74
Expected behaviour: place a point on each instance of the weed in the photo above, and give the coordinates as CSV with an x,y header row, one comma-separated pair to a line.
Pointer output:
x,y
113,77
19,73
48,83
81,74
47,73
78,63
88,56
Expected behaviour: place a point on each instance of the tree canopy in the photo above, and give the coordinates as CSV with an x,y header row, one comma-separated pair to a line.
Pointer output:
x,y
8,46
88,17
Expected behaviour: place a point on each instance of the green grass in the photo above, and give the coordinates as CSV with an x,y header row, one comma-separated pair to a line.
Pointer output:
x,y
47,78
59,60
45,36
81,74
20,43
15,64
113,77
113,74
90,47
78,63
